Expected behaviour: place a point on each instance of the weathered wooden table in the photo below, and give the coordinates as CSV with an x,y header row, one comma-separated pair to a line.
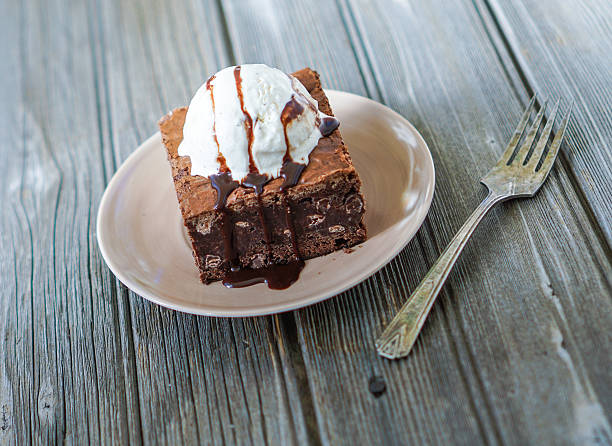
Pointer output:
x,y
517,349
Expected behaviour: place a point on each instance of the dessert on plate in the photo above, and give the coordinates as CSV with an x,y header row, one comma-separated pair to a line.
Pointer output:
x,y
263,178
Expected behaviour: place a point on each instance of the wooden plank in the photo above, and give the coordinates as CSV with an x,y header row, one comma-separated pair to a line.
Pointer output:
x,y
58,350
513,352
12,397
563,49
291,37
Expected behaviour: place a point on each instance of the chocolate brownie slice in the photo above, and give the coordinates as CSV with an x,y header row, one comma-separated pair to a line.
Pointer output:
x,y
323,212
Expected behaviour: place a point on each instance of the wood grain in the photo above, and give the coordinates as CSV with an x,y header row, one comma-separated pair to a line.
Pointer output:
x,y
516,350
567,54
60,354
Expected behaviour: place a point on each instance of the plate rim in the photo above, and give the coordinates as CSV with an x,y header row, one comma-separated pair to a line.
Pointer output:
x,y
275,308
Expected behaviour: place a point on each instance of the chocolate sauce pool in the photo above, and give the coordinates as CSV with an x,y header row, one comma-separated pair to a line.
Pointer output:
x,y
277,276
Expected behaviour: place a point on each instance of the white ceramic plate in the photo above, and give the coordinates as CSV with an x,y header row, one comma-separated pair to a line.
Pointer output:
x,y
142,238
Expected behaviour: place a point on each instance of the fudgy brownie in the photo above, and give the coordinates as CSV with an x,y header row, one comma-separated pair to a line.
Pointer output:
x,y
322,213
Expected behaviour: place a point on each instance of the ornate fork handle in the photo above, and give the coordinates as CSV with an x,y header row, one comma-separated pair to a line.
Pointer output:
x,y
399,337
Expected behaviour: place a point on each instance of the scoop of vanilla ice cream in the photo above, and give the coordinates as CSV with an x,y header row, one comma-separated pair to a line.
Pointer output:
x,y
216,110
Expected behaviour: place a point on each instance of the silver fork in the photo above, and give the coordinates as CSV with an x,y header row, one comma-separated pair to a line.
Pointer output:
x,y
521,175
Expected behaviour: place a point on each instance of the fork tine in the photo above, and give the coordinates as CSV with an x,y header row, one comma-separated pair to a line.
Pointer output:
x,y
520,128
533,131
554,147
539,149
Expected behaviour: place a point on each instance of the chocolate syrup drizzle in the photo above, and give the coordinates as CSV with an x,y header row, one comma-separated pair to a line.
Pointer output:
x,y
291,111
291,172
224,185
257,182
277,276
294,82
248,121
328,125
220,157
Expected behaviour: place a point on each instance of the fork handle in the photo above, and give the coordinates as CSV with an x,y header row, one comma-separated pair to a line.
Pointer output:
x,y
399,337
